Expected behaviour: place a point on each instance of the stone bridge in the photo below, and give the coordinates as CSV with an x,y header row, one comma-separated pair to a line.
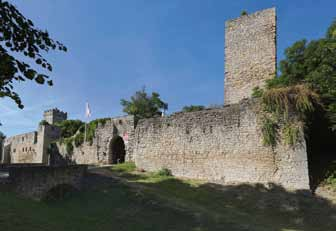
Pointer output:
x,y
36,181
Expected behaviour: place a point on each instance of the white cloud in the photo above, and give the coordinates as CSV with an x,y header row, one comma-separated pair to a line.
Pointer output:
x,y
15,120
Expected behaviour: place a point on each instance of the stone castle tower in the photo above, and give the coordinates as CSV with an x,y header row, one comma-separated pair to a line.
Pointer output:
x,y
32,147
54,115
250,54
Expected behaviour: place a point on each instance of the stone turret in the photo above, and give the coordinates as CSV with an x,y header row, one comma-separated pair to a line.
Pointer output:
x,y
250,54
54,115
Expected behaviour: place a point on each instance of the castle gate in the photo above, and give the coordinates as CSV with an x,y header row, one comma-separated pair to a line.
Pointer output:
x,y
117,150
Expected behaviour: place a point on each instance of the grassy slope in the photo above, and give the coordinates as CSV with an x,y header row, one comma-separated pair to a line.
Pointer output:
x,y
243,207
144,201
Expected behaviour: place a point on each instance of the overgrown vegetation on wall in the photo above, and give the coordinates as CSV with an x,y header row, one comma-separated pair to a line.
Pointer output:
x,y
278,104
192,108
306,85
73,132
43,123
331,176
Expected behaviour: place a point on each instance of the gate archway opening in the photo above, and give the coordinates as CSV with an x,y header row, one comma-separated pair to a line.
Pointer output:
x,y
117,150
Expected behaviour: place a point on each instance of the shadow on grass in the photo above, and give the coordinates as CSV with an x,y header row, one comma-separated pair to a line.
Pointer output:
x,y
147,201
242,206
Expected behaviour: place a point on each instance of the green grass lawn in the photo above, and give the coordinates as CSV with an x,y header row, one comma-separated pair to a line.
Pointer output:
x,y
131,200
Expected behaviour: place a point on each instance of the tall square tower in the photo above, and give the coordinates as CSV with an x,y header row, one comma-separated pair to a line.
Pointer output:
x,y
250,54
54,115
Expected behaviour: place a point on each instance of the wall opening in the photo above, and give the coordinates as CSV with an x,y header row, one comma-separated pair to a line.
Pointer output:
x,y
117,150
321,144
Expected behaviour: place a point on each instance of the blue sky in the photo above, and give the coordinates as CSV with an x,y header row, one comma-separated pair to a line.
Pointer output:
x,y
173,47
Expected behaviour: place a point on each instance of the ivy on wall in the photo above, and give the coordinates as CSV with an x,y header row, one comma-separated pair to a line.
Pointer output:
x,y
73,132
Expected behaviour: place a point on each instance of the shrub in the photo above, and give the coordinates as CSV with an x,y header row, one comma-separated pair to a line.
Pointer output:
x,y
73,131
43,123
330,177
281,99
79,139
257,92
270,132
69,127
69,146
164,172
277,103
291,132
244,12
192,108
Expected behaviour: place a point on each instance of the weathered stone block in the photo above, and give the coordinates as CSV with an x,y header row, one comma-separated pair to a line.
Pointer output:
x,y
219,145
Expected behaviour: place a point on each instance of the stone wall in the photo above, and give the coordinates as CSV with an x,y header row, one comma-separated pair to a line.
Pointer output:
x,y
250,53
219,145
46,135
30,147
99,152
35,181
21,148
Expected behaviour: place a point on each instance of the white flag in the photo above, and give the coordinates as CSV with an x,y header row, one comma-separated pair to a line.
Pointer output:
x,y
87,110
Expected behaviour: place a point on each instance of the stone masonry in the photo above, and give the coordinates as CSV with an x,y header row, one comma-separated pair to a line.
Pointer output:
x,y
219,145
250,54
100,151
54,115
222,145
32,147
33,181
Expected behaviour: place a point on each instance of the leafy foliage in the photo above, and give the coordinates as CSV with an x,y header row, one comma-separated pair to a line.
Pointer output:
x,y
18,35
277,103
270,132
291,132
306,84
143,106
69,127
312,64
2,136
299,97
257,92
43,122
91,128
164,172
244,12
330,176
331,32
192,108
73,132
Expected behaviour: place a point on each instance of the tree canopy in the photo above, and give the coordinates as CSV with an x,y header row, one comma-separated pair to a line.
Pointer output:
x,y
19,35
142,105
2,136
312,64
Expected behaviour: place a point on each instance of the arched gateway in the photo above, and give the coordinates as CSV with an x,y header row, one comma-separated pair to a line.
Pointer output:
x,y
117,150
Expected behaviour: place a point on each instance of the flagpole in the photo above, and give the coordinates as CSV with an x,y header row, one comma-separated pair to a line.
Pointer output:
x,y
85,133
87,116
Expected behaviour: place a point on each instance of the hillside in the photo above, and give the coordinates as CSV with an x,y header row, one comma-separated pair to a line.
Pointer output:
x,y
120,198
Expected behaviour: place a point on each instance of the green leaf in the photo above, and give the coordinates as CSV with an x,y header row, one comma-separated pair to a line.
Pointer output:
x,y
40,79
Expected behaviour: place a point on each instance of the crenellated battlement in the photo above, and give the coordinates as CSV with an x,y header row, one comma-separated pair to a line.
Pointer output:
x,y
54,115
